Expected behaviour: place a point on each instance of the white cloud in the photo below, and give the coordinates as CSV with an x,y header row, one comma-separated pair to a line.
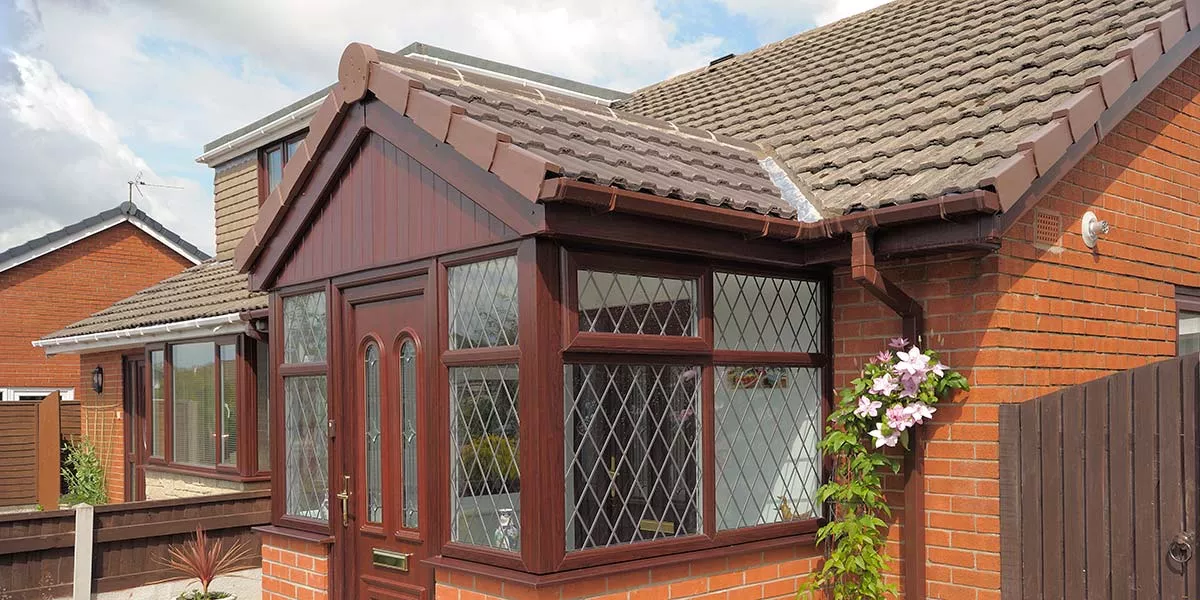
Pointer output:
x,y
63,160
779,18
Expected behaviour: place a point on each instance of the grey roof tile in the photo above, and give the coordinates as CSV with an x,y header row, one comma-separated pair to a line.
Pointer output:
x,y
907,100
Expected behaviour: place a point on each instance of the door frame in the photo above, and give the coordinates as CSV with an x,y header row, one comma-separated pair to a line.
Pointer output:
x,y
350,293
134,424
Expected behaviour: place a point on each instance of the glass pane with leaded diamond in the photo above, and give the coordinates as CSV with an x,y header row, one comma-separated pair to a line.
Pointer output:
x,y
768,425
636,304
304,328
633,453
766,314
371,435
485,482
408,407
483,304
306,479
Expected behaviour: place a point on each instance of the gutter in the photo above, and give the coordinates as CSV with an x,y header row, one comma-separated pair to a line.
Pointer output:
x,y
754,225
864,273
202,327
253,139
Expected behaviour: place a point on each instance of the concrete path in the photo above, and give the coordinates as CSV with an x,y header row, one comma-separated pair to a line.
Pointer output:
x,y
246,585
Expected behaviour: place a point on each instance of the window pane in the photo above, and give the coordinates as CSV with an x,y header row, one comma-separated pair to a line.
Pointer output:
x,y
274,165
767,429
639,304
1189,333
766,313
194,403
632,437
306,453
157,405
408,401
229,405
304,324
371,440
483,304
485,483
263,404
291,148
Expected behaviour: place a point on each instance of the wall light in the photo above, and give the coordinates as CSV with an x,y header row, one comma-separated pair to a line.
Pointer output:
x,y
98,380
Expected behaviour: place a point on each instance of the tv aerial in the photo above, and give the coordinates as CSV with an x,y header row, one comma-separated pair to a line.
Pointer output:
x,y
137,183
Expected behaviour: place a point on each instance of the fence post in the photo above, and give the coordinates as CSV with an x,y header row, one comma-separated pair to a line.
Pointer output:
x,y
48,452
85,515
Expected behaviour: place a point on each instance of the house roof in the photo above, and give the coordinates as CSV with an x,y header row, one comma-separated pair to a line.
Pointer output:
x,y
122,213
917,98
211,288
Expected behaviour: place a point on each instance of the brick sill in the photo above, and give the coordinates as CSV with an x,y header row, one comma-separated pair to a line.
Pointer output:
x,y
443,563
294,534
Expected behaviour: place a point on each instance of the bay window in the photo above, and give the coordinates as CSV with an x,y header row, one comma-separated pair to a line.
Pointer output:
x,y
203,395
1187,303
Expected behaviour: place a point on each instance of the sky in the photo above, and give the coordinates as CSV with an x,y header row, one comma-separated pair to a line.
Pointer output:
x,y
94,92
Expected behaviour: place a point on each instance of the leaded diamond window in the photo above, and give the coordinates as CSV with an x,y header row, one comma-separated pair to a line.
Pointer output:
x,y
767,428
304,328
306,450
633,451
483,304
636,304
371,436
485,481
408,406
766,314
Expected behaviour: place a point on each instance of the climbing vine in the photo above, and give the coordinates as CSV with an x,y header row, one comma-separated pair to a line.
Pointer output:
x,y
896,391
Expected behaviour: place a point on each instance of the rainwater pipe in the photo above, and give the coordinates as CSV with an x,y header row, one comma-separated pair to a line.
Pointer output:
x,y
864,273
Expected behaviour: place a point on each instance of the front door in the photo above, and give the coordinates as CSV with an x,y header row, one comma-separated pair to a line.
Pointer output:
x,y
134,383
386,527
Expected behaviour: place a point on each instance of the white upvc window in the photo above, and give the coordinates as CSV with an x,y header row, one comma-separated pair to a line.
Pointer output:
x,y
16,394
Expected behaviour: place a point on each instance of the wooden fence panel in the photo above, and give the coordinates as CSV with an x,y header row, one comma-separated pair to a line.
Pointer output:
x,y
18,453
37,556
1097,482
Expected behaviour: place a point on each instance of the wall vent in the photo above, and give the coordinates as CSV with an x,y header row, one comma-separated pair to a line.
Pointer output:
x,y
1048,228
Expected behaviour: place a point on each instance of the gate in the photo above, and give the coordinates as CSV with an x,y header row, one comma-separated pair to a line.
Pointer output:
x,y
1098,488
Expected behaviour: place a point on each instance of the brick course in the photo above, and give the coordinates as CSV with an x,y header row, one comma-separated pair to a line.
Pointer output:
x,y
55,290
294,569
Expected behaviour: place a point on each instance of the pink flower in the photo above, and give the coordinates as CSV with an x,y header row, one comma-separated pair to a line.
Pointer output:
x,y
938,369
881,439
920,412
867,408
883,356
884,385
909,386
898,343
898,418
912,362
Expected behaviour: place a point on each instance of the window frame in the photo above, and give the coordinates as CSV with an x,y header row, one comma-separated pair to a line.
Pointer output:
x,y
277,407
583,347
246,469
264,179
1186,300
13,394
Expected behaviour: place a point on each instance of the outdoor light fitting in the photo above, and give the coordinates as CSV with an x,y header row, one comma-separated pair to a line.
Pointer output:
x,y
98,380
1093,228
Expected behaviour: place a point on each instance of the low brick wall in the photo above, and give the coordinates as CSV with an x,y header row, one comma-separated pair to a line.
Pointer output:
x,y
770,575
294,569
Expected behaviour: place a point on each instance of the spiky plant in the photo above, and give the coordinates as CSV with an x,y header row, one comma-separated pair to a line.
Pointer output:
x,y
205,560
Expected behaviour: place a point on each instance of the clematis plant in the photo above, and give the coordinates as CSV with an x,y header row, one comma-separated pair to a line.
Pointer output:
x,y
897,390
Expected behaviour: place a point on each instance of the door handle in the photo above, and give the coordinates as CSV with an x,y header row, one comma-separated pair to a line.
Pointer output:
x,y
344,496
1180,550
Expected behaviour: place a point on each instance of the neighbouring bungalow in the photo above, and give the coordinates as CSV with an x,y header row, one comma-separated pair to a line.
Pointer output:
x,y
528,342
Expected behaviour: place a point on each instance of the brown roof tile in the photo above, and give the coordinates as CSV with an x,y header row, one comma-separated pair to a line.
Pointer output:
x,y
209,289
918,97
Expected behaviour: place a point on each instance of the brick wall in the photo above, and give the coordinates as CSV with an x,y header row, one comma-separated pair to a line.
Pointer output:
x,y
102,415
55,290
1039,316
770,575
235,194
294,569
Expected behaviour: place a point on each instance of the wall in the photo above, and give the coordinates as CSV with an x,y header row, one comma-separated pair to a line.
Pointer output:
x,y
235,194
102,415
1039,316
69,284
294,569
161,485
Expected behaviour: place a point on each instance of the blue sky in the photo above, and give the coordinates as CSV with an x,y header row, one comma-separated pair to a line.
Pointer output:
x,y
94,91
